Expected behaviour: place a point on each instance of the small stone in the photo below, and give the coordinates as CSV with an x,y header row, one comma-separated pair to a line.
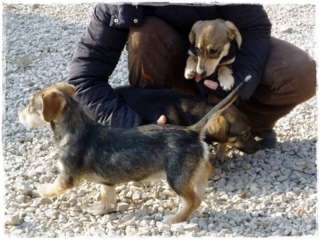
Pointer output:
x,y
25,189
123,206
191,227
282,178
129,194
45,201
52,214
160,209
81,193
20,198
14,220
24,61
35,6
211,227
243,195
178,227
113,217
168,193
143,231
136,196
203,224
149,202
162,226
130,230
286,29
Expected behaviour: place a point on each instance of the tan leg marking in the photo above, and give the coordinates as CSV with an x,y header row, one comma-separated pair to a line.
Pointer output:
x,y
60,185
190,202
107,203
192,195
201,176
221,152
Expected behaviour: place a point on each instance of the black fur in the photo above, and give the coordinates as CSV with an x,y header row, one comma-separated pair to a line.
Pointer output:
x,y
184,110
180,109
118,155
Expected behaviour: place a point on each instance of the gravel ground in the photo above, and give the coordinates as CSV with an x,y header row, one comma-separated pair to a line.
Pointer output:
x,y
270,193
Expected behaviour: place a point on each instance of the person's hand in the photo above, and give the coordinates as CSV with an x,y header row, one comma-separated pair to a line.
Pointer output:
x,y
162,120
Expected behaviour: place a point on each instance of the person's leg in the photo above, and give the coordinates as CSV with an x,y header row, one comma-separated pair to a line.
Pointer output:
x,y
289,79
157,56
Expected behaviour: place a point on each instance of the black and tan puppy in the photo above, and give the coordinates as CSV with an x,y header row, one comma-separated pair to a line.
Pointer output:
x,y
230,128
214,44
88,150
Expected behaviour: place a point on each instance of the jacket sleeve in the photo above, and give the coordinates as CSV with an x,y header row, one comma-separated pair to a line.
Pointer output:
x,y
255,28
94,60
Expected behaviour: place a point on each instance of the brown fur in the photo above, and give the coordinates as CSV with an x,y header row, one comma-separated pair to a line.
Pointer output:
x,y
211,41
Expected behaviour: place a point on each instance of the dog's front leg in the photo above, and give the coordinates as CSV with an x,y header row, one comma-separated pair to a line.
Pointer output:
x,y
61,184
225,78
190,69
221,152
107,203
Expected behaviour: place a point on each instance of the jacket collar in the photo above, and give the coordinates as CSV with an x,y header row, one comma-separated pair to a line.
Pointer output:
x,y
231,54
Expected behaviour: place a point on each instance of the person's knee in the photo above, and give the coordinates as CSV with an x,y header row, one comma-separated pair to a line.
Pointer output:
x,y
290,75
304,80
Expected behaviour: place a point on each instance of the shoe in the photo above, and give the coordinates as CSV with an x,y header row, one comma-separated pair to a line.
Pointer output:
x,y
267,139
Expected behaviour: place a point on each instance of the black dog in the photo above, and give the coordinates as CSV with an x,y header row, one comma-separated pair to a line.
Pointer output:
x,y
230,128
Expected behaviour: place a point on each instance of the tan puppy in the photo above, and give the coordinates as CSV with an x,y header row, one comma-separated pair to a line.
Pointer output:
x,y
214,45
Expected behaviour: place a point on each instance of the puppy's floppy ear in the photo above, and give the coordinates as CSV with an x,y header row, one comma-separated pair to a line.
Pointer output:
x,y
53,103
66,88
233,33
192,37
192,34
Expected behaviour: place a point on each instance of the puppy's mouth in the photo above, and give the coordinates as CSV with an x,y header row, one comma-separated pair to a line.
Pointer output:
x,y
205,82
200,78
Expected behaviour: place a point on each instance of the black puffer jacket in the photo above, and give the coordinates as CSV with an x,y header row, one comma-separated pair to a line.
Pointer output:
x,y
99,50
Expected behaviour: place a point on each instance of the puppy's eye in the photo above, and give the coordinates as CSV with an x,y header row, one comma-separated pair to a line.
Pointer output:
x,y
213,52
194,51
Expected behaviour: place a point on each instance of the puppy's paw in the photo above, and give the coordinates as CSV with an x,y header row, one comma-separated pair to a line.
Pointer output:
x,y
226,82
190,69
46,190
100,209
225,78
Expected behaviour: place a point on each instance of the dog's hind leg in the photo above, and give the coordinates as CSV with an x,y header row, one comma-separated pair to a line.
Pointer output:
x,y
107,203
191,192
201,176
190,202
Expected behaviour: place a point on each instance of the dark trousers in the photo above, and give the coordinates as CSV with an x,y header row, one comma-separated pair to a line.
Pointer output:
x,y
157,56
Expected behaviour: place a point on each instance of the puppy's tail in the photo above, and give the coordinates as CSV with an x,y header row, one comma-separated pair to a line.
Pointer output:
x,y
217,109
